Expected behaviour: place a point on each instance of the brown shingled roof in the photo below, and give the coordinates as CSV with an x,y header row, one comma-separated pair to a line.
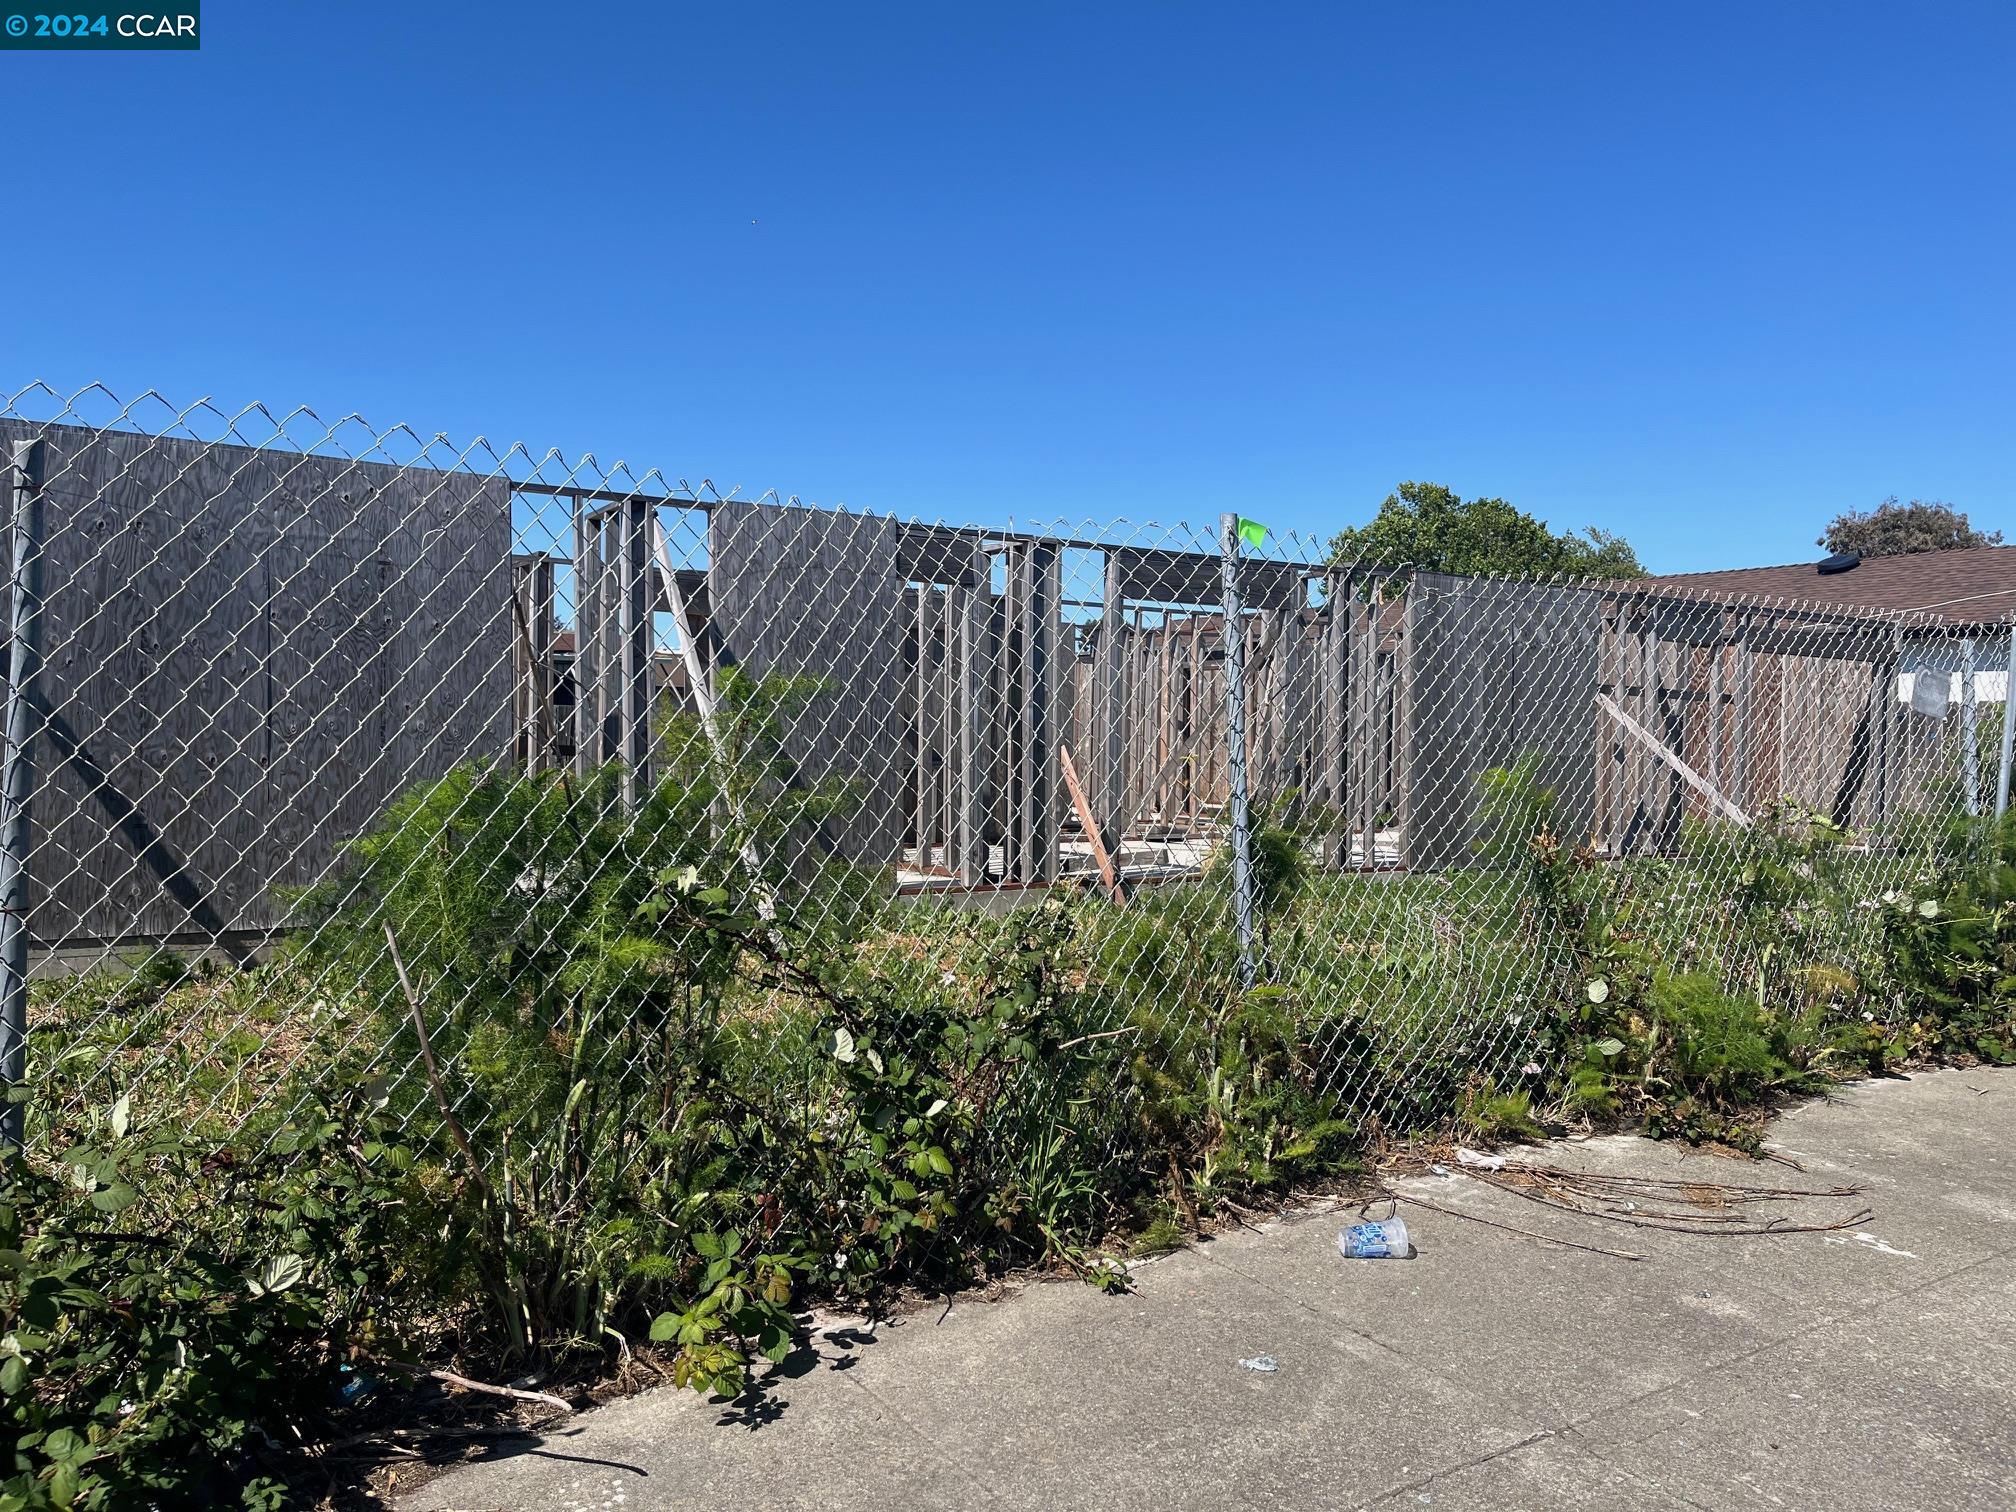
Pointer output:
x,y
1967,585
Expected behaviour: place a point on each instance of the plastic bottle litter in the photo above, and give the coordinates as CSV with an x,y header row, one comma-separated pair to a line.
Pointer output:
x,y
1375,1241
1265,1364
353,1386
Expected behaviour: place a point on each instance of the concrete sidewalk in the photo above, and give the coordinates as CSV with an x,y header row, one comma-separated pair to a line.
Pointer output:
x,y
1874,1370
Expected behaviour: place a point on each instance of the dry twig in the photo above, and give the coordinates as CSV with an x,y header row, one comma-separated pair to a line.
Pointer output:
x,y
449,1377
1084,1039
1650,1202
455,1129
1436,1207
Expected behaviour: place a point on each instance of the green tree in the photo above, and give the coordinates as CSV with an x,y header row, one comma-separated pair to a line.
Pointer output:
x,y
1432,528
1893,529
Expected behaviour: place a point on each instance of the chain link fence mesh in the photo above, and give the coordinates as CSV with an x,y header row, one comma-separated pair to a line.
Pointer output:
x,y
325,706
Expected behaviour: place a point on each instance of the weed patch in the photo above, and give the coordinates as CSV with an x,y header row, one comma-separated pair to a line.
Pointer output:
x,y
643,1093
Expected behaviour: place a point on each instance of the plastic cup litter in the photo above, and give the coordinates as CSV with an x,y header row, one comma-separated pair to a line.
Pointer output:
x,y
1375,1241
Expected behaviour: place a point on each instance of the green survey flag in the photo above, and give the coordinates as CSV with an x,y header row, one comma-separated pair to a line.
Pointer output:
x,y
1252,532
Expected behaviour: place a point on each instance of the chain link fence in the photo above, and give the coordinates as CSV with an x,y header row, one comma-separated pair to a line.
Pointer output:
x,y
407,744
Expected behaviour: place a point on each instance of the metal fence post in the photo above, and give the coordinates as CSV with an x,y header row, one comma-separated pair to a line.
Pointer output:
x,y
2008,719
1970,747
1235,743
17,773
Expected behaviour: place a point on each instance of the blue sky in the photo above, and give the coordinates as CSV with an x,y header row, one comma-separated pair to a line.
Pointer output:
x,y
1701,274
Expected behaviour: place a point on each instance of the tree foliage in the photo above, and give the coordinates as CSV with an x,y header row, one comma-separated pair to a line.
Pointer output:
x,y
1894,529
1432,528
